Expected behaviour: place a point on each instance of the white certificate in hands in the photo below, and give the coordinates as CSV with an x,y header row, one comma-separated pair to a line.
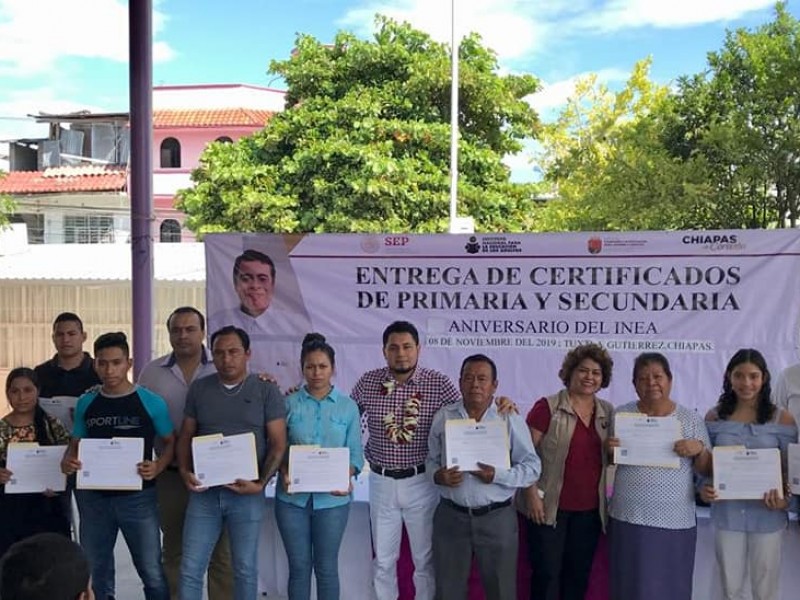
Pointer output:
x,y
467,443
794,468
110,464
60,407
646,441
35,468
314,469
742,474
221,460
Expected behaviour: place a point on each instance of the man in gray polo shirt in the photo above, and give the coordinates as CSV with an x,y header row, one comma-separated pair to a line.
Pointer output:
x,y
230,402
169,376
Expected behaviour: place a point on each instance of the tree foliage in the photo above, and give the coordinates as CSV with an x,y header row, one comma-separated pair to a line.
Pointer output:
x,y
7,206
743,117
608,166
719,150
363,144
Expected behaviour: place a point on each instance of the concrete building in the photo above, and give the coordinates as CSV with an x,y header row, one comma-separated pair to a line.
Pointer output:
x,y
72,186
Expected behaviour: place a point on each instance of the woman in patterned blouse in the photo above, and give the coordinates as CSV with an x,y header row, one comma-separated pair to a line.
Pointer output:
x,y
22,515
652,527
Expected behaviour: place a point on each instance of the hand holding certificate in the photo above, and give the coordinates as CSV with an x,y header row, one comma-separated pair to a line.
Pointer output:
x,y
35,468
314,469
468,443
110,464
742,474
646,441
221,460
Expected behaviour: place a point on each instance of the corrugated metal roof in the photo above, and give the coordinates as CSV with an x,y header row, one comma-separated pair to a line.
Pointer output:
x,y
102,262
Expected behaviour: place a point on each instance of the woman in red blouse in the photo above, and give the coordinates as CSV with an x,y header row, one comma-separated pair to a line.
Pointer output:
x,y
567,506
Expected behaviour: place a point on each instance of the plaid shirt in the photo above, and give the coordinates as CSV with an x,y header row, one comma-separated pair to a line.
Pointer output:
x,y
434,390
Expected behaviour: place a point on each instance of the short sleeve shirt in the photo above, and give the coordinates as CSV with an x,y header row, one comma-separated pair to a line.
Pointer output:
x,y
656,496
138,414
242,409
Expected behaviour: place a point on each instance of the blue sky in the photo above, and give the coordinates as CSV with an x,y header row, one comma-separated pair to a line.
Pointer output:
x,y
59,55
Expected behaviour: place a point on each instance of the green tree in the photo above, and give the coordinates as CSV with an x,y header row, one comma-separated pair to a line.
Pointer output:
x,y
7,206
608,166
363,144
743,118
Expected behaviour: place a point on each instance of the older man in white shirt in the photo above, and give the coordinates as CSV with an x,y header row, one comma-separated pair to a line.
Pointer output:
x,y
475,515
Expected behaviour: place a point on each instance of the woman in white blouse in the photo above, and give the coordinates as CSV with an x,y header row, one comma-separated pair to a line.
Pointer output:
x,y
652,512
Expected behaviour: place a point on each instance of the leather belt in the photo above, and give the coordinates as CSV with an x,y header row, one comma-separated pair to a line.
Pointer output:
x,y
477,511
398,473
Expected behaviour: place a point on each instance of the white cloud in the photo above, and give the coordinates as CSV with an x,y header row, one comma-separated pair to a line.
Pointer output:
x,y
510,27
520,29
554,95
35,34
14,110
617,15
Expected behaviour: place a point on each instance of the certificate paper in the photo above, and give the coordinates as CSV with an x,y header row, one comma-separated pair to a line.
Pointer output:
x,y
110,464
35,468
220,460
794,468
60,407
742,474
467,443
646,441
313,469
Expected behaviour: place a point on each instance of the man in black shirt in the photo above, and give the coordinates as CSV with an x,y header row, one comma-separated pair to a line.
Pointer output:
x,y
70,372
63,379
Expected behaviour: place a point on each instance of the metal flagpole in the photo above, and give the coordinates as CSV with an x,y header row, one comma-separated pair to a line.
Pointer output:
x,y
453,120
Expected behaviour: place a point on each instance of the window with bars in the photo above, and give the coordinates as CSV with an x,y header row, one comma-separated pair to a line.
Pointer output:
x,y
88,229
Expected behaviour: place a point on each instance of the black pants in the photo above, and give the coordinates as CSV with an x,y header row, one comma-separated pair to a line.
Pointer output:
x,y
23,515
562,556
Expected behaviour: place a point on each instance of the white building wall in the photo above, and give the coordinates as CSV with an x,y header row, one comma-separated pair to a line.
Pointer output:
x,y
217,96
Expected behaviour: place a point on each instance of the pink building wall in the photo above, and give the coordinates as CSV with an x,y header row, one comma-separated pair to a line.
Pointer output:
x,y
167,181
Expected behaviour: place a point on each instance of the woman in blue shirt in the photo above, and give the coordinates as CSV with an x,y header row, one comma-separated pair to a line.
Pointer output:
x,y
748,533
312,524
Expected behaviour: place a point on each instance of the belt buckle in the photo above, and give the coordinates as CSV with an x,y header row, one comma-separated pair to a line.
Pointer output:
x,y
479,511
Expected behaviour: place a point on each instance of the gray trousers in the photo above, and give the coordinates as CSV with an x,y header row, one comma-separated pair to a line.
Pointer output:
x,y
490,538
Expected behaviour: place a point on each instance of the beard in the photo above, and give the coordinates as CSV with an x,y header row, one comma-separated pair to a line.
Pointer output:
x,y
403,370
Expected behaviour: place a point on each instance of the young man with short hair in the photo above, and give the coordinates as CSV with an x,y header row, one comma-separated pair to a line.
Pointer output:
x,y
230,402
121,409
70,372
46,566
68,375
400,401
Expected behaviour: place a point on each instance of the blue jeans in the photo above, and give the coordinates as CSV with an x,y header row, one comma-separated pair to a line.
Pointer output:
x,y
208,512
136,515
312,538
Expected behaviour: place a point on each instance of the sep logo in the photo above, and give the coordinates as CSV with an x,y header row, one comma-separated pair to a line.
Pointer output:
x,y
594,245
396,240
